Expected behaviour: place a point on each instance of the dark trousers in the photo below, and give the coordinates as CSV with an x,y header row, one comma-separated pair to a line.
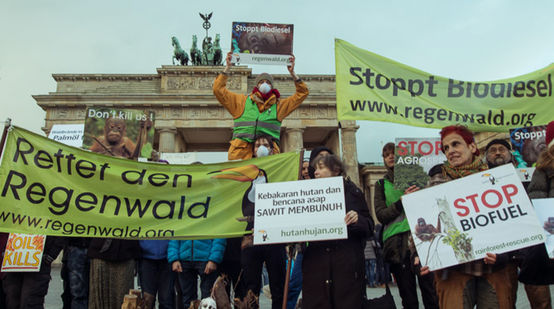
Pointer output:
x,y
406,280
235,277
274,258
75,275
26,289
189,284
156,277
2,297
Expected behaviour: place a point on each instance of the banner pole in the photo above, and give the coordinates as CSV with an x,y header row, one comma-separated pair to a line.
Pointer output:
x,y
7,125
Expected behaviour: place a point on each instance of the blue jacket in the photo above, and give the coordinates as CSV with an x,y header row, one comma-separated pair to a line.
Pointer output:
x,y
154,249
196,250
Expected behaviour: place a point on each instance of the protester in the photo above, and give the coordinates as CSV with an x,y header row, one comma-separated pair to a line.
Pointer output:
x,y
75,273
537,270
317,151
396,232
484,283
305,167
497,153
3,241
112,271
155,274
28,289
274,255
261,112
192,259
332,271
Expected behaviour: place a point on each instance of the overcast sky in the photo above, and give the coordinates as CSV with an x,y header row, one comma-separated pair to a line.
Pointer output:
x,y
467,40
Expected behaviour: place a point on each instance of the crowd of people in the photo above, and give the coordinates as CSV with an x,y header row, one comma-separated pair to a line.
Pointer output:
x,y
328,274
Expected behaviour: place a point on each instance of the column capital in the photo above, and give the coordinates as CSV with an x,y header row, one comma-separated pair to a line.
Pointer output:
x,y
293,130
349,125
167,130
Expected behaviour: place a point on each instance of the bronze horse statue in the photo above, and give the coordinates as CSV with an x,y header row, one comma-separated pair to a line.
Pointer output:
x,y
195,53
178,53
218,54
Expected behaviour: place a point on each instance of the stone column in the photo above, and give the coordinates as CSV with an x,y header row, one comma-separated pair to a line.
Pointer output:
x,y
349,151
293,140
333,142
167,139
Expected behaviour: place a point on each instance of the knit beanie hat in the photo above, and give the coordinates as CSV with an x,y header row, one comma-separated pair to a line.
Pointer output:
x,y
264,76
498,141
550,134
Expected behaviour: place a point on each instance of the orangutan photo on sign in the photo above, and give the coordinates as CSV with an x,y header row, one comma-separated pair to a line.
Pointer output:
x,y
120,133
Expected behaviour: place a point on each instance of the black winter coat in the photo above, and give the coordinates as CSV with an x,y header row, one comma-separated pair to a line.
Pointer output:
x,y
333,271
536,268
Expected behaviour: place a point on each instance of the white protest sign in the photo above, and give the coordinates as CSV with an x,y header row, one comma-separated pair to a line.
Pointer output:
x,y
23,253
545,212
305,210
462,220
68,134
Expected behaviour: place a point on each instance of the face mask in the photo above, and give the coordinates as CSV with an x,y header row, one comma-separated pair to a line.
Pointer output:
x,y
263,151
265,88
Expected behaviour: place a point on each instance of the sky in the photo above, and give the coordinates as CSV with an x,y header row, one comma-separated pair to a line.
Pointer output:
x,y
466,40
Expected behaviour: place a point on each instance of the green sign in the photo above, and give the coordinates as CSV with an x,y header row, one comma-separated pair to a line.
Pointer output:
x,y
372,87
52,189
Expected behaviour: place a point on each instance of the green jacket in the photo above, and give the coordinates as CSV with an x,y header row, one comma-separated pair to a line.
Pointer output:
x,y
395,247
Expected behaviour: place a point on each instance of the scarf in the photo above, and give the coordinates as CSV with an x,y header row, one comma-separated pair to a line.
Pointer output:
x,y
461,171
267,95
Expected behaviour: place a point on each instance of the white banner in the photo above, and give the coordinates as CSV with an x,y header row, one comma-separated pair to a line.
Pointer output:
x,y
69,134
305,210
462,220
545,212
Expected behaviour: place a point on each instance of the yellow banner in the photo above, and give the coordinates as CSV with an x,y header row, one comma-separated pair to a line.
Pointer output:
x,y
372,87
49,188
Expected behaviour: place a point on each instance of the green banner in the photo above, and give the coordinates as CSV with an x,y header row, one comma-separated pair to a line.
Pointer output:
x,y
372,87
53,189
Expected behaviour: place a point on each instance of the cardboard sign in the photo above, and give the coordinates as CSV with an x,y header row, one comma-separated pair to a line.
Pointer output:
x,y
545,212
261,43
119,132
69,134
462,220
305,210
23,253
527,144
413,158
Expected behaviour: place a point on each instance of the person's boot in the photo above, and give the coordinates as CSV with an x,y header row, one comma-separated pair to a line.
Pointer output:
x,y
149,300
